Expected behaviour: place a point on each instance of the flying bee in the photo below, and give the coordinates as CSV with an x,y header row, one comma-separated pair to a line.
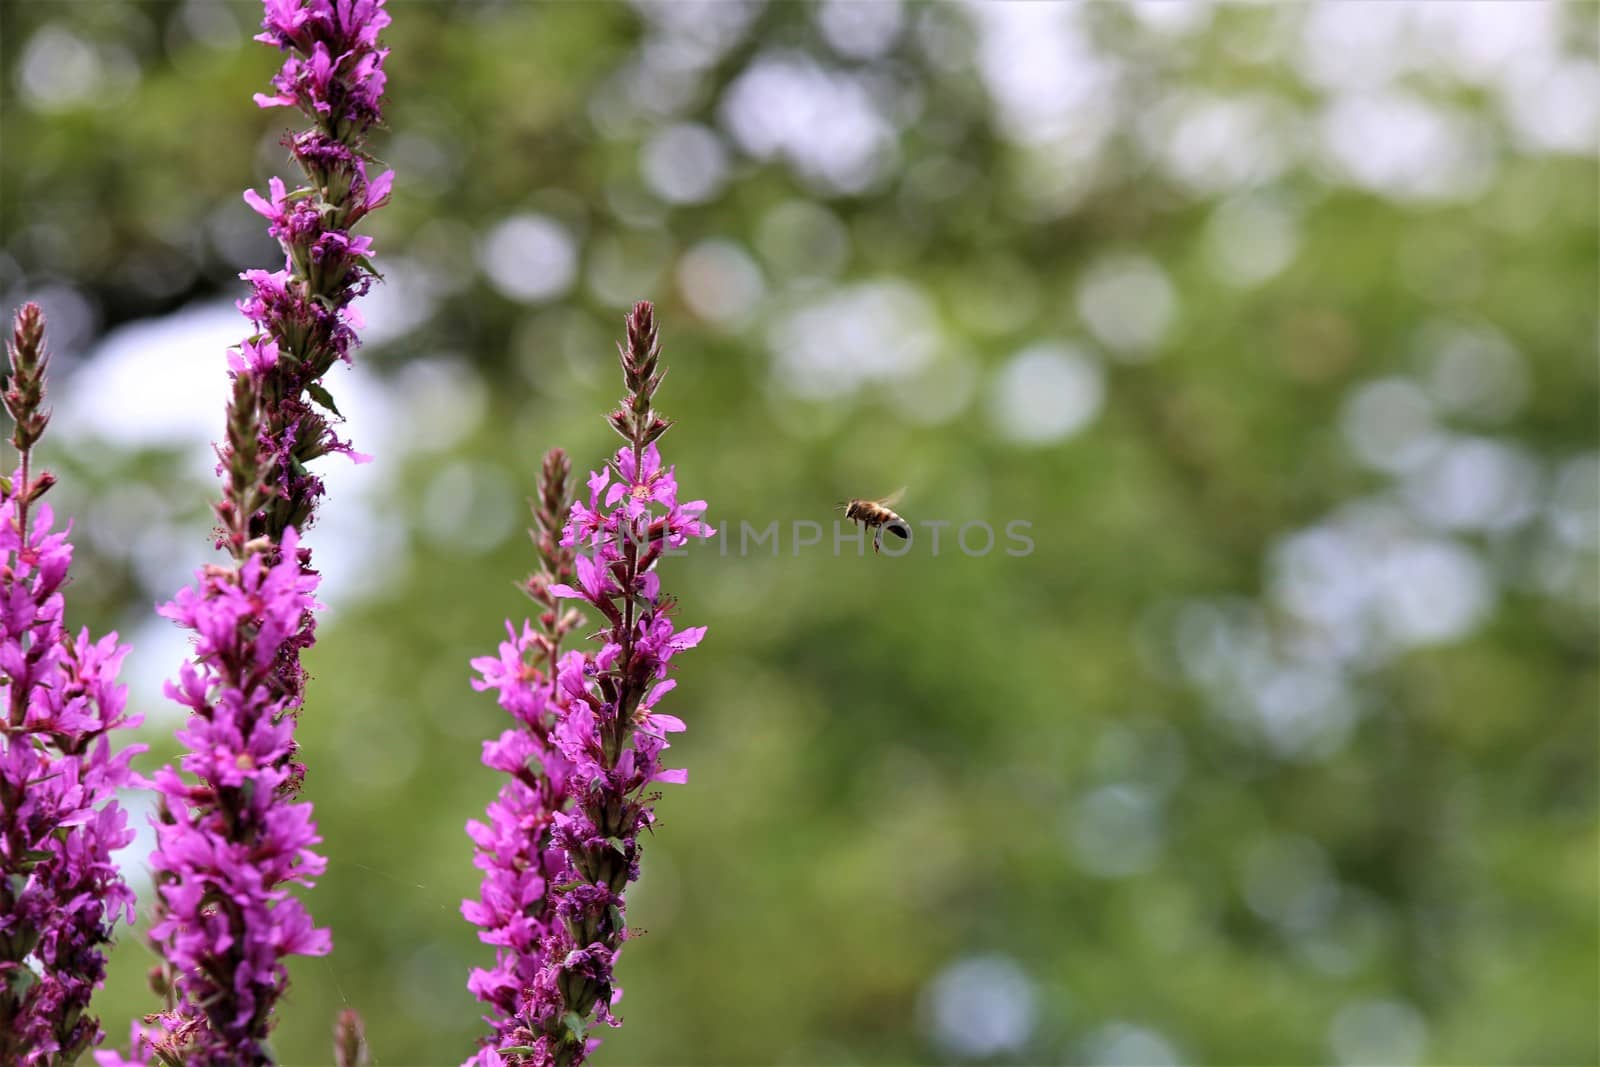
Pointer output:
x,y
878,515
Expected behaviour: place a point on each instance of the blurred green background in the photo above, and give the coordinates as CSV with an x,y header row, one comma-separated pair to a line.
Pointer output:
x,y
1276,322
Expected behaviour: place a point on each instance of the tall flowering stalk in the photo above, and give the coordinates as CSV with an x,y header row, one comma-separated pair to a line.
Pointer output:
x,y
303,314
60,893
562,841
515,848
231,839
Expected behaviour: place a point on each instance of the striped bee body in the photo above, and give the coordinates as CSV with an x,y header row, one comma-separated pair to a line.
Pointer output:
x,y
878,516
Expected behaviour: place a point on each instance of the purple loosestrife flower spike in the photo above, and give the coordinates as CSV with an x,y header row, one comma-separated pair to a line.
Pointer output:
x,y
231,839
60,893
334,74
590,750
514,849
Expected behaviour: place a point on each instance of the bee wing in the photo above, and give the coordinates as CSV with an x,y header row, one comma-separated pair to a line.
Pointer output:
x,y
892,499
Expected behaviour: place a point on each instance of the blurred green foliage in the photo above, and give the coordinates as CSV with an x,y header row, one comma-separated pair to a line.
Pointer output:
x,y
1279,747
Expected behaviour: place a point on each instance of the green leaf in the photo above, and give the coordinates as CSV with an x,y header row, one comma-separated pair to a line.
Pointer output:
x,y
366,264
574,1022
33,857
20,980
323,397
